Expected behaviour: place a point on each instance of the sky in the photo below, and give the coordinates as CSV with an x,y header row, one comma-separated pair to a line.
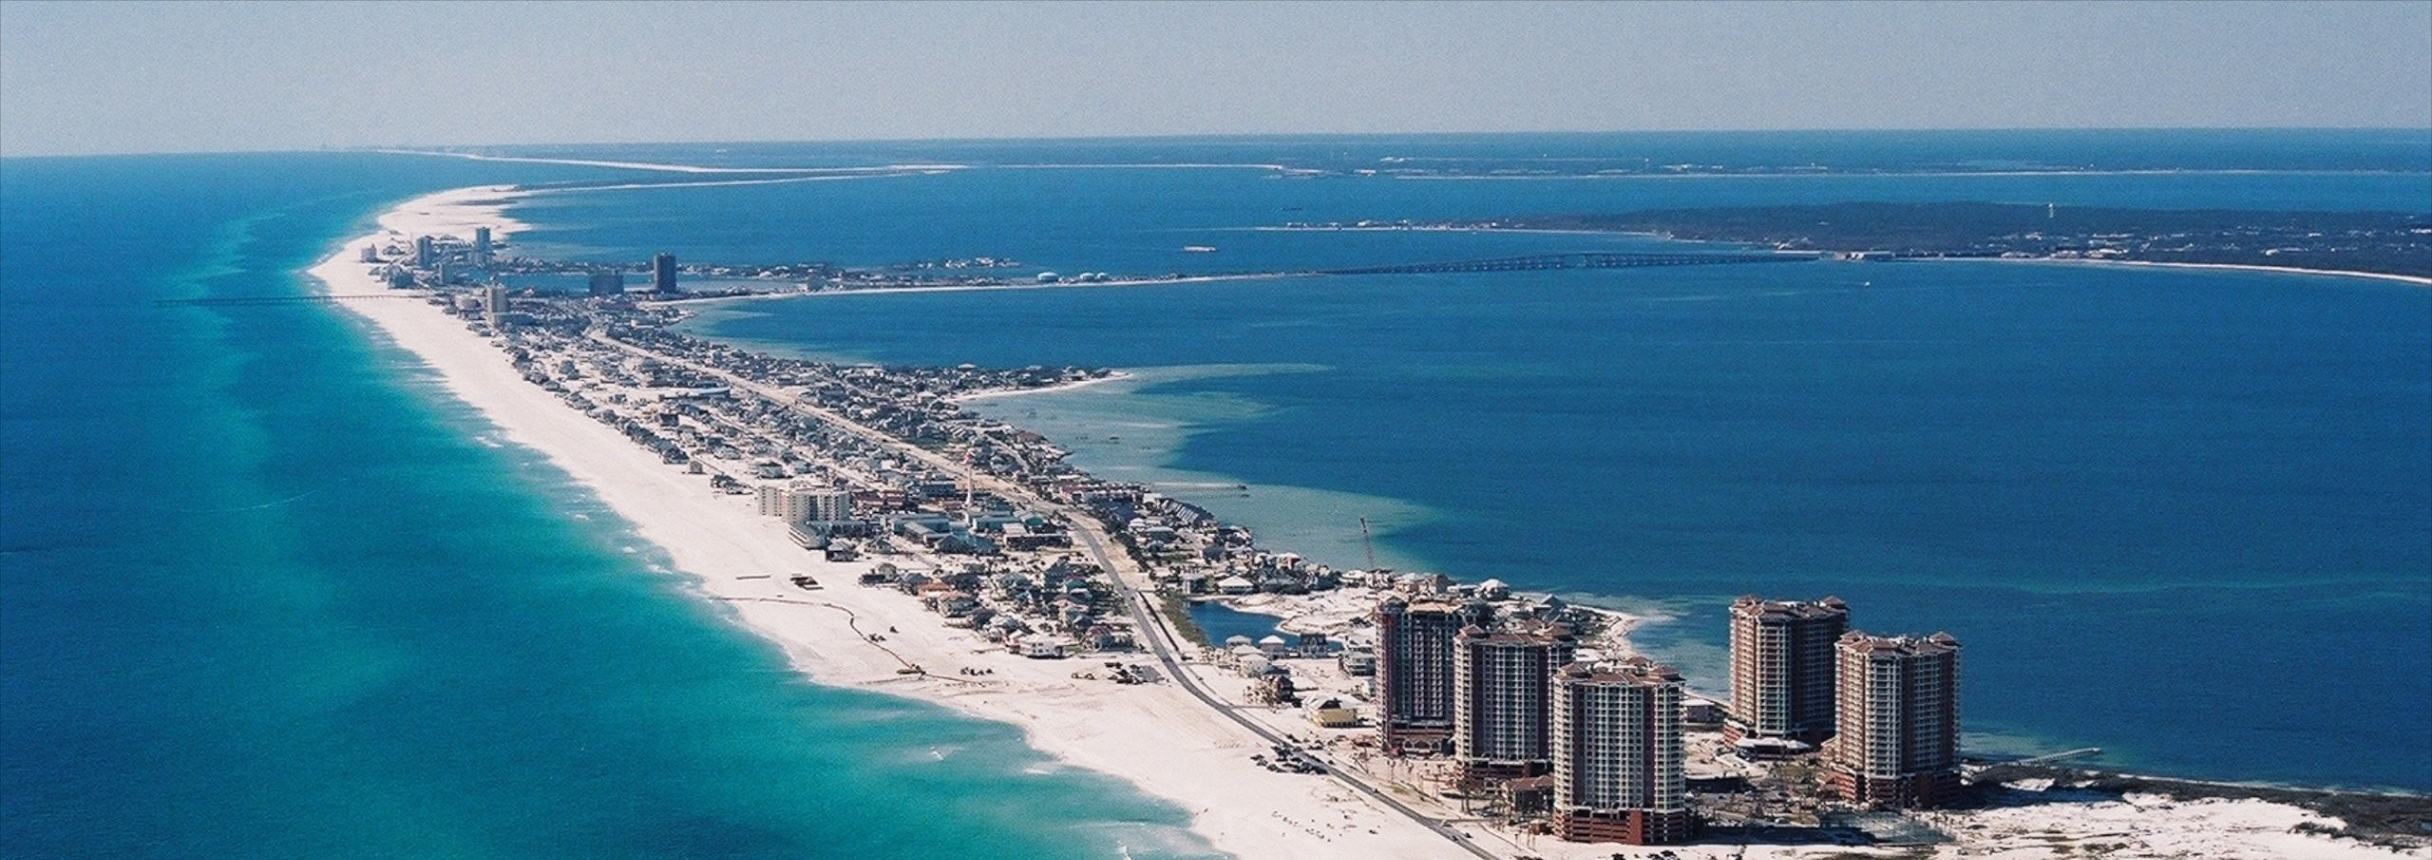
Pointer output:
x,y
136,77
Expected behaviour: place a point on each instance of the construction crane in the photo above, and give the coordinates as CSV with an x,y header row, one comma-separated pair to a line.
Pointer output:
x,y
1367,542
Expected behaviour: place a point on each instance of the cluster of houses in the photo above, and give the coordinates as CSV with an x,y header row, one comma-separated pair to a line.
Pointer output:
x,y
1038,610
833,486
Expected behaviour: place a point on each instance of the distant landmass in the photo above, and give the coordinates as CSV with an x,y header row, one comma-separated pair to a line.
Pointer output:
x,y
2386,242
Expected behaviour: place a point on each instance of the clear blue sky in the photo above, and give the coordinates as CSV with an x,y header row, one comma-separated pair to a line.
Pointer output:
x,y
126,77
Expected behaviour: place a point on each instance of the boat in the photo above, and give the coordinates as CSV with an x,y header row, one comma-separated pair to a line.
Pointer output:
x,y
1199,249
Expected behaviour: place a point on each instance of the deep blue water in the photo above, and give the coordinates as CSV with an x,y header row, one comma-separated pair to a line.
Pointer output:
x,y
2181,516
2185,516
269,593
1137,219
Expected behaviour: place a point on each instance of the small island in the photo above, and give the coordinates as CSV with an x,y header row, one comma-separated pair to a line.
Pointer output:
x,y
2389,243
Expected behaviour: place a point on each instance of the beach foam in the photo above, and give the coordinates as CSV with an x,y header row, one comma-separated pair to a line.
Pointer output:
x,y
1154,736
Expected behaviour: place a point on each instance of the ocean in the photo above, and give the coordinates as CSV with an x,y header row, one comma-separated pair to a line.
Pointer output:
x,y
269,592
2184,516
2137,497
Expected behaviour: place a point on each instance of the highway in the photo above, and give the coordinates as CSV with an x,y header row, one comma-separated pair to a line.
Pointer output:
x,y
1134,582
1166,645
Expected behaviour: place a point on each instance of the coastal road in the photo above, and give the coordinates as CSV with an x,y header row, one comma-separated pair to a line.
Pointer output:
x,y
1136,587
1166,646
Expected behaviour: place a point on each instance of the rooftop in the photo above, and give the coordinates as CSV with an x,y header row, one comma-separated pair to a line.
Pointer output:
x,y
1634,671
1785,610
1905,646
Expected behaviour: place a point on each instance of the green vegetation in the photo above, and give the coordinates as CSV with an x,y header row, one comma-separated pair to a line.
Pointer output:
x,y
2389,820
1178,613
2393,242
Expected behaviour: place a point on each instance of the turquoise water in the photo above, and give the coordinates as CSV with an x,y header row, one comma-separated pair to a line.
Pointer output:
x,y
1222,622
2137,496
269,593
2185,516
2152,504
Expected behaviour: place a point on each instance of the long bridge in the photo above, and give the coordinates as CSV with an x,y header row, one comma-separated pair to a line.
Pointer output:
x,y
1571,261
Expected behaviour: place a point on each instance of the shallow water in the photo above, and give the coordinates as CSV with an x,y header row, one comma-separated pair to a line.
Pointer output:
x,y
269,593
2151,502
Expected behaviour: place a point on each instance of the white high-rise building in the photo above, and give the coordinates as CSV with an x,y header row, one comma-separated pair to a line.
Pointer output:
x,y
1618,754
812,504
1502,699
806,502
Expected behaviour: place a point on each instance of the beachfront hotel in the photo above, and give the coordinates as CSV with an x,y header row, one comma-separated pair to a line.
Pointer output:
x,y
806,502
493,304
1414,670
1782,672
1503,700
663,274
1898,739
1618,755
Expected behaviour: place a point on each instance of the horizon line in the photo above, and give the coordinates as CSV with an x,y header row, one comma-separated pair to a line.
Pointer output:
x,y
376,147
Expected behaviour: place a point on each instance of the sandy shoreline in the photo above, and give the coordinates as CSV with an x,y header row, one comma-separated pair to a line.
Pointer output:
x,y
1075,385
2232,267
1153,736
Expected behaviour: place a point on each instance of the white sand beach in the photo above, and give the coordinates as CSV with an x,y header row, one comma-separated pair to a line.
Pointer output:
x,y
1155,736
2237,267
1074,385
